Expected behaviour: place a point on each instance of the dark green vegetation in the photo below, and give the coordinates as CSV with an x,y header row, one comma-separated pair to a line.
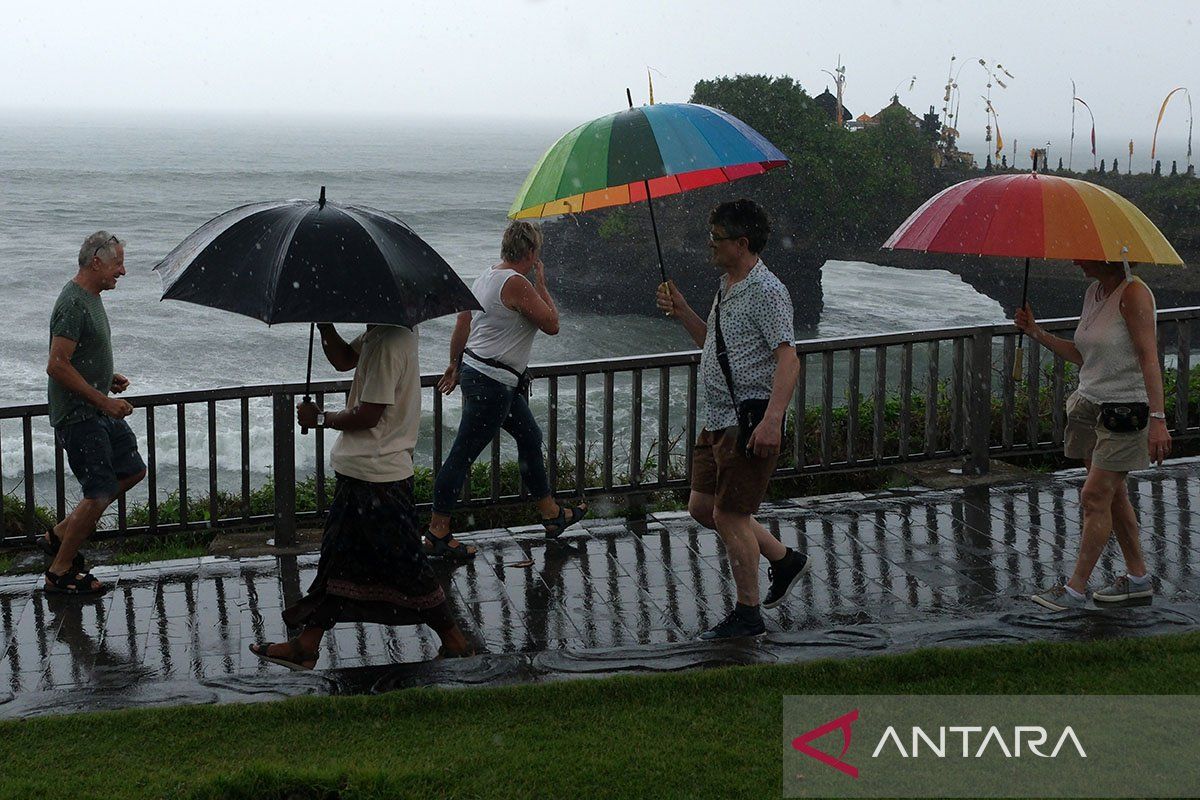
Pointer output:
x,y
711,733
853,188
843,189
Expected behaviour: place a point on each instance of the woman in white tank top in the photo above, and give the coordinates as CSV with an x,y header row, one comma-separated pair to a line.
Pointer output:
x,y
489,355
1116,347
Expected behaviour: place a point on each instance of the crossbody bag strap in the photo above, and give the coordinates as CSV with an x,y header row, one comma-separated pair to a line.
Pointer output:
x,y
491,362
723,354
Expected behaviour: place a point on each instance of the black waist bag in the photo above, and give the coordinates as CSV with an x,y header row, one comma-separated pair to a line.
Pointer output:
x,y
1124,417
524,379
750,414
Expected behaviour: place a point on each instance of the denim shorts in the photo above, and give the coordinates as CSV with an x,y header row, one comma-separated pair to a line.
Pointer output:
x,y
101,451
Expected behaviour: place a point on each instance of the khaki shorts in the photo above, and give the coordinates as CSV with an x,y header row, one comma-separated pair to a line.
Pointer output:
x,y
719,468
1088,440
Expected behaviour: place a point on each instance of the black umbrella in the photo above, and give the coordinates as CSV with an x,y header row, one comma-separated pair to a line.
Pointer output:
x,y
305,261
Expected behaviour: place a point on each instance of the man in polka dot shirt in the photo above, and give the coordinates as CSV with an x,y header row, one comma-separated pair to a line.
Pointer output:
x,y
728,483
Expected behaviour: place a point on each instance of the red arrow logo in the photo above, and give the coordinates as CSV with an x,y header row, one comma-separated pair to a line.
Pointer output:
x,y
843,722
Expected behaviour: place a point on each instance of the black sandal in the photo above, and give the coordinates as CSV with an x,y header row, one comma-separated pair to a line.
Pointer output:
x,y
73,583
554,527
50,544
298,661
440,547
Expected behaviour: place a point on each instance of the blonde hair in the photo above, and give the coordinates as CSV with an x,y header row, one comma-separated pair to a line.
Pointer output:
x,y
520,239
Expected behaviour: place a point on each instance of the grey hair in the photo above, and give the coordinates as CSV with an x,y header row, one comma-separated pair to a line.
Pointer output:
x,y
100,243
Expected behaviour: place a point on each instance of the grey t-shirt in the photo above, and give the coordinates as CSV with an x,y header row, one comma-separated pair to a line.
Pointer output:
x,y
79,316
756,317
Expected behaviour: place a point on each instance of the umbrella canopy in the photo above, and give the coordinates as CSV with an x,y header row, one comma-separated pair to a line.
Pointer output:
x,y
1034,216
663,149
305,261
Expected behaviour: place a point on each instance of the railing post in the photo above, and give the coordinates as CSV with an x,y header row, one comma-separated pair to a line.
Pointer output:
x,y
285,470
980,403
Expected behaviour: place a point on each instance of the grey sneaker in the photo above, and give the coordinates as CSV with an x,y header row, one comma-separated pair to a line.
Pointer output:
x,y
1056,598
1124,589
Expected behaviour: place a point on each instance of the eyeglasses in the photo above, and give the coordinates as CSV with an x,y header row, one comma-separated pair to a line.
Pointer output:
x,y
715,239
107,242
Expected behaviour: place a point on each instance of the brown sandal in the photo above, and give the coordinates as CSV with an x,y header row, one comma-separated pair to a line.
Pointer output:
x,y
299,662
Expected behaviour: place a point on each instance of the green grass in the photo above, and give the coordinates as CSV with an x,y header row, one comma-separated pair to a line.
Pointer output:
x,y
711,733
165,548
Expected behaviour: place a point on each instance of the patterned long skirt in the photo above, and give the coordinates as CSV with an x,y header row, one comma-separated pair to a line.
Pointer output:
x,y
373,566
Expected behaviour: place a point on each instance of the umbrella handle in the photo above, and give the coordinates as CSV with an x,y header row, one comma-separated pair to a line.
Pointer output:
x,y
312,329
1019,363
666,285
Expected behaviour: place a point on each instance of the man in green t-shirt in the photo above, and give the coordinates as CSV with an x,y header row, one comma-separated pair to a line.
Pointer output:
x,y
88,423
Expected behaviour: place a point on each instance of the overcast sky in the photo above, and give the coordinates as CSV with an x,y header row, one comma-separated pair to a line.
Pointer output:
x,y
572,60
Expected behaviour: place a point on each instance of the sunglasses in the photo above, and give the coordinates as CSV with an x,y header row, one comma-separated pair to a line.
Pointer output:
x,y
106,243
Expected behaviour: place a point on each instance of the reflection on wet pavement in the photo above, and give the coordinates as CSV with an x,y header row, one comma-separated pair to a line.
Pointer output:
x,y
891,572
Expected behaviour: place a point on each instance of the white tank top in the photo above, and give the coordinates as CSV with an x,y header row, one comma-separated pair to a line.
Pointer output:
x,y
498,332
1110,372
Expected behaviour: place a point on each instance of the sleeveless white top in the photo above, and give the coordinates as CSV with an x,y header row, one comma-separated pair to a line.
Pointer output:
x,y
498,332
1110,372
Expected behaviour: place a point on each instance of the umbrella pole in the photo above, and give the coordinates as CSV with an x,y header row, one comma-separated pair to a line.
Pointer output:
x,y
312,330
662,271
1018,364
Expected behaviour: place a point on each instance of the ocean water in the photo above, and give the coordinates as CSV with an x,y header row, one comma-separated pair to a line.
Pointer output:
x,y
154,182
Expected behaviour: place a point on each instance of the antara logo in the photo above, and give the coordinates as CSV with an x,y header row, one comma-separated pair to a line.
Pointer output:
x,y
1032,737
843,722
1035,737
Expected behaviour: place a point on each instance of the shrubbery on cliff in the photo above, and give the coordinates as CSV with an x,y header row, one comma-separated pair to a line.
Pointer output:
x,y
843,188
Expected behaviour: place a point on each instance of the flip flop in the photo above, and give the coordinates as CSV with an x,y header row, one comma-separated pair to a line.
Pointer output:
x,y
296,665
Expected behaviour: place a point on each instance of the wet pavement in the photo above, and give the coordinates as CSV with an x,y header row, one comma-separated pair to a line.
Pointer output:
x,y
891,572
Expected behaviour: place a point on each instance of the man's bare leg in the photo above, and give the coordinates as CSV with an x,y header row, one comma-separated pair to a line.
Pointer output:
x,y
742,548
81,523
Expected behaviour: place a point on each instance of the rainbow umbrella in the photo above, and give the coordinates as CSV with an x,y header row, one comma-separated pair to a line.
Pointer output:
x,y
1033,216
640,154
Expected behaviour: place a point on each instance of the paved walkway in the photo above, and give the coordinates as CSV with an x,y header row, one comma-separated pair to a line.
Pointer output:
x,y
892,572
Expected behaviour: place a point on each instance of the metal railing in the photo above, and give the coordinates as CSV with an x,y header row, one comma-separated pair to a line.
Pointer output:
x,y
861,403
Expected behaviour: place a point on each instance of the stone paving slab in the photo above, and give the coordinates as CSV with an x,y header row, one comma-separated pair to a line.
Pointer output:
x,y
891,572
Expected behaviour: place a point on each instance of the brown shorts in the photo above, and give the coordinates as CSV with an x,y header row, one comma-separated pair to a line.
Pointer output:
x,y
719,468
1088,440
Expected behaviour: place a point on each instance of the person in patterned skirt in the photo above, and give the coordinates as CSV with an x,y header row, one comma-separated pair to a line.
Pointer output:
x,y
373,567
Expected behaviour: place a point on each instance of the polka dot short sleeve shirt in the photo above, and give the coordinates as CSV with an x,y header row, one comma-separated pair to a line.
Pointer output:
x,y
756,317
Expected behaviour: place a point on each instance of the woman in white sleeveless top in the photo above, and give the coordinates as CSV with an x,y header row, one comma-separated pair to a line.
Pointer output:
x,y
1116,346
489,355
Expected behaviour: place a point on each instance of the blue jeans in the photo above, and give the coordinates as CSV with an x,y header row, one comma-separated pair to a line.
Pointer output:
x,y
488,407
